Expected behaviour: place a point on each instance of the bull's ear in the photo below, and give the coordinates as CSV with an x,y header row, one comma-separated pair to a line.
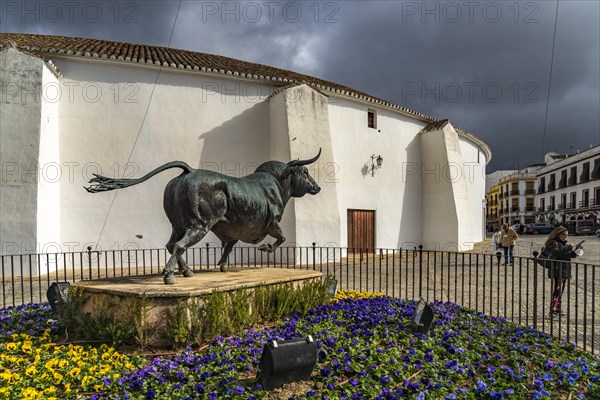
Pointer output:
x,y
289,170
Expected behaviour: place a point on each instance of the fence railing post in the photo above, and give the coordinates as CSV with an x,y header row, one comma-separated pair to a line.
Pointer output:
x,y
314,244
535,287
421,271
89,249
207,255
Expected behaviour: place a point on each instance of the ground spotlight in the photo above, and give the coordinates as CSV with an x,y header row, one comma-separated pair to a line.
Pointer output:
x,y
58,294
287,361
423,317
332,287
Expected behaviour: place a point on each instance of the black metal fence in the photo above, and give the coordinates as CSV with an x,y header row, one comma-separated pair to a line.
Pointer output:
x,y
520,293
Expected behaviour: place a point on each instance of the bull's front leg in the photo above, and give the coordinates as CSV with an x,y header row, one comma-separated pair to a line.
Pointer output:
x,y
226,250
274,231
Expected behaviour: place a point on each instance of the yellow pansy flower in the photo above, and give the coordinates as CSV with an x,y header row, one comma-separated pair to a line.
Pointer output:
x,y
29,392
31,371
49,390
85,380
11,346
51,364
57,378
74,372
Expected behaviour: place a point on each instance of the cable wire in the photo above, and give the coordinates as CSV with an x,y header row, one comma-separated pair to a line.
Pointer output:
x,y
549,82
141,125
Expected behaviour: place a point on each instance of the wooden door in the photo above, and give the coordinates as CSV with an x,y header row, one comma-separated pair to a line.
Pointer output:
x,y
361,230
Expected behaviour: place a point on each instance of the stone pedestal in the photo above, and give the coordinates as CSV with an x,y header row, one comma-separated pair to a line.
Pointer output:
x,y
127,297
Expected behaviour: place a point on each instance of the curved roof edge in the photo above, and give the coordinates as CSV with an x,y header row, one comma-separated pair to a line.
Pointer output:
x,y
45,46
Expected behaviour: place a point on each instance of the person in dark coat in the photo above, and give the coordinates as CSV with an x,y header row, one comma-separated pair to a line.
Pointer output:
x,y
561,252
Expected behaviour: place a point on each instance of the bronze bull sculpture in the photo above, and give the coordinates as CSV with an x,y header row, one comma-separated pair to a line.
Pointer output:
x,y
246,209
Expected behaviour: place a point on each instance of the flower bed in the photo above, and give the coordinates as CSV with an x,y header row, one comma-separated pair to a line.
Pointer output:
x,y
366,350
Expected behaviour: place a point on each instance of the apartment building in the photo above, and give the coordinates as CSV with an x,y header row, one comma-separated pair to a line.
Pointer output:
x,y
516,200
568,187
492,203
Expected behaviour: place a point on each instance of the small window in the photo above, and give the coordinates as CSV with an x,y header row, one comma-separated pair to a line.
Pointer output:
x,y
372,119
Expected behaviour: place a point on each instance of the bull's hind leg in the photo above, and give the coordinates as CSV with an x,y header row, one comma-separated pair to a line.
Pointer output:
x,y
177,235
190,238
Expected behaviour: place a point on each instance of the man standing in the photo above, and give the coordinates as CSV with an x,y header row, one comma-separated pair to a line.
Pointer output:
x,y
509,238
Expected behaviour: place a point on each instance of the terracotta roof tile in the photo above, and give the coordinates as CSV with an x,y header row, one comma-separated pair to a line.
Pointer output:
x,y
44,46
434,126
177,58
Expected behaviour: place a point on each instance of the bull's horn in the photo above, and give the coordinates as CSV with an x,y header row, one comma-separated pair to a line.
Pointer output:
x,y
297,163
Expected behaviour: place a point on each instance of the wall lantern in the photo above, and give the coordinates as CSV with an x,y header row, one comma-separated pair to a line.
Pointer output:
x,y
375,163
287,361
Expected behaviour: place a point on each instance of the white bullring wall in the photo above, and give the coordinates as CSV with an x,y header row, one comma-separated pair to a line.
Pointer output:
x,y
186,120
394,192
317,219
452,205
473,173
50,171
20,78
106,123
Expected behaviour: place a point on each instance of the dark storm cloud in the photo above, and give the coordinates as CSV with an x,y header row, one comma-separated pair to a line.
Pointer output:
x,y
485,65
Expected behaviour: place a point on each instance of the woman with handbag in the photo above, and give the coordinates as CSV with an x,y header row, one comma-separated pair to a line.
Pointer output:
x,y
560,252
497,243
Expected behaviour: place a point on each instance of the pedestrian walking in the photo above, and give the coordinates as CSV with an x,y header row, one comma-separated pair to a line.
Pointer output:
x,y
509,238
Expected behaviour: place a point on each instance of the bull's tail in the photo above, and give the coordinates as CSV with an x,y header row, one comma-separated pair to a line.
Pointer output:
x,y
102,183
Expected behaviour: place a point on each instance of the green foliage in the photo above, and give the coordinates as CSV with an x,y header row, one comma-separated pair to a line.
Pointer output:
x,y
191,322
108,325
144,332
229,313
178,325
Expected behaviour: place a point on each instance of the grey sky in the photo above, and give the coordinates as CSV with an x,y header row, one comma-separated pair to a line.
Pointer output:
x,y
485,65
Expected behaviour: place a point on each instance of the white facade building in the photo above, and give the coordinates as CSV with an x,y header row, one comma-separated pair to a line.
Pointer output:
x,y
74,107
517,196
568,187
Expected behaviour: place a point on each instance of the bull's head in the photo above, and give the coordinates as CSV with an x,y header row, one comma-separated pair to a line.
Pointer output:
x,y
301,182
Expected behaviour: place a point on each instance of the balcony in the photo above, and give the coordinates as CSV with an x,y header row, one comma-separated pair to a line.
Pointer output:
x,y
572,180
596,171
585,174
541,189
540,209
584,204
506,194
562,183
550,208
571,206
515,192
514,209
562,206
530,191
529,208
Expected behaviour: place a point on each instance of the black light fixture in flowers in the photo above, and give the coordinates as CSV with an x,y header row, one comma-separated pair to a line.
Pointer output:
x,y
423,317
58,294
287,361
